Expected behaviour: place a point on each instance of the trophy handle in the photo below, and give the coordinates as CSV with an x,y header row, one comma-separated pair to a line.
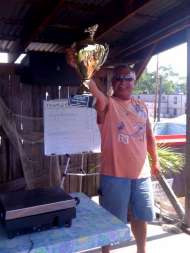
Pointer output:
x,y
106,54
103,58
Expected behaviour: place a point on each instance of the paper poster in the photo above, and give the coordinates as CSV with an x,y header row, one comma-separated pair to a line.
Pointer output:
x,y
69,129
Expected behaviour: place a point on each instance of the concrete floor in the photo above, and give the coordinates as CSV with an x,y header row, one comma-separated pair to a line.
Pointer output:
x,y
158,241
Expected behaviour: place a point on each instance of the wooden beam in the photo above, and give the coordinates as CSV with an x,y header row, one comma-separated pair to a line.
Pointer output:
x,y
89,7
140,67
8,68
151,42
166,26
127,10
30,34
162,45
133,48
171,41
187,165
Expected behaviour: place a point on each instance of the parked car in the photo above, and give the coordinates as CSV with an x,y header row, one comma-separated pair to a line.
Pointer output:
x,y
171,132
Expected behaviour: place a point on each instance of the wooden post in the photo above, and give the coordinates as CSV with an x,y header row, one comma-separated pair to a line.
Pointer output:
x,y
187,165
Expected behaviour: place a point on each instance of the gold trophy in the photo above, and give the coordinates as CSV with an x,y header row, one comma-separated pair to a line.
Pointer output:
x,y
90,56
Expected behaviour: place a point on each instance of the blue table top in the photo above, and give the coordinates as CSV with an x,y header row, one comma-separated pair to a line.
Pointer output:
x,y
93,227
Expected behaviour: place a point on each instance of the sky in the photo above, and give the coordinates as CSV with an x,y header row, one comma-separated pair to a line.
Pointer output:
x,y
176,57
3,57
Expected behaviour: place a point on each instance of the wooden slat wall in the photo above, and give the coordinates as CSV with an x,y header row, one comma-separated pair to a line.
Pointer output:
x,y
28,100
10,166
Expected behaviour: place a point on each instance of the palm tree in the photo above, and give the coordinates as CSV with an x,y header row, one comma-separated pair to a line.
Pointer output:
x,y
170,160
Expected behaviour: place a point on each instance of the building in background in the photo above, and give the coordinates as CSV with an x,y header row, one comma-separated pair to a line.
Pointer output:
x,y
171,105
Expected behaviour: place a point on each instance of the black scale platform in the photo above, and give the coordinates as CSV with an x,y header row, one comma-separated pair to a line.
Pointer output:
x,y
35,210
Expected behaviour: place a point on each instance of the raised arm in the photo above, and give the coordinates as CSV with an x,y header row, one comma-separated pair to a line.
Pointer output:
x,y
101,99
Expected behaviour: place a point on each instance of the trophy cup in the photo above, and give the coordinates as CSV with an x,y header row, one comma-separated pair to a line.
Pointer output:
x,y
90,56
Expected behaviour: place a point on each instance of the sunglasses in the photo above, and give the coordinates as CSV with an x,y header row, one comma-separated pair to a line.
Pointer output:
x,y
124,78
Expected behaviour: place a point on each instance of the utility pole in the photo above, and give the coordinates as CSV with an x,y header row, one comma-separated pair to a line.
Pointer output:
x,y
159,97
156,89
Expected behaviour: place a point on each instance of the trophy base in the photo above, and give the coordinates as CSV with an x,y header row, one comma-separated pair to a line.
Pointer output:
x,y
81,100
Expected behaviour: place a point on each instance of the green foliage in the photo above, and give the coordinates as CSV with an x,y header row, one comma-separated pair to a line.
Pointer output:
x,y
170,160
146,84
171,82
182,84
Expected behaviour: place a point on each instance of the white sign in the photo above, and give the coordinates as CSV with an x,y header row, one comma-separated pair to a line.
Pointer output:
x,y
69,129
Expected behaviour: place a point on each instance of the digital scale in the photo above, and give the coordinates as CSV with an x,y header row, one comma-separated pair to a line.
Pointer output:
x,y
36,210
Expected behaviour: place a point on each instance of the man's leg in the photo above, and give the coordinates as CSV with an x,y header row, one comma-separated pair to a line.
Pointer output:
x,y
139,229
142,210
114,196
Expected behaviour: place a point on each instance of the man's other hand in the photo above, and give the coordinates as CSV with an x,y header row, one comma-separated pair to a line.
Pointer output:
x,y
155,169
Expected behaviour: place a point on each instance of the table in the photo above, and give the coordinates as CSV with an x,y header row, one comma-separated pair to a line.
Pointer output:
x,y
93,227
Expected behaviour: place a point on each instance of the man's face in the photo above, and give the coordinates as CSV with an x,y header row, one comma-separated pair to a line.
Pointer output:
x,y
123,84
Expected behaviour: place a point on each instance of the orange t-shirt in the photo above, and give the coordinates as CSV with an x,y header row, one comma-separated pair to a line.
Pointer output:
x,y
123,139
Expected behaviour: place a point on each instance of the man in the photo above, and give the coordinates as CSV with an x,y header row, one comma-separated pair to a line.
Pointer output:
x,y
126,136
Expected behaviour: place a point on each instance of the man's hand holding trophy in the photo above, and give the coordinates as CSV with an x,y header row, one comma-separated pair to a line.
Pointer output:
x,y
87,56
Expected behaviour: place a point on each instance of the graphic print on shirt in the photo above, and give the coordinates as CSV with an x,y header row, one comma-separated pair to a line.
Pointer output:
x,y
139,109
138,129
124,135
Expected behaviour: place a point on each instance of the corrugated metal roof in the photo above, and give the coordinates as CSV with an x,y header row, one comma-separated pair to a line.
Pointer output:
x,y
15,14
70,19
45,47
6,45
